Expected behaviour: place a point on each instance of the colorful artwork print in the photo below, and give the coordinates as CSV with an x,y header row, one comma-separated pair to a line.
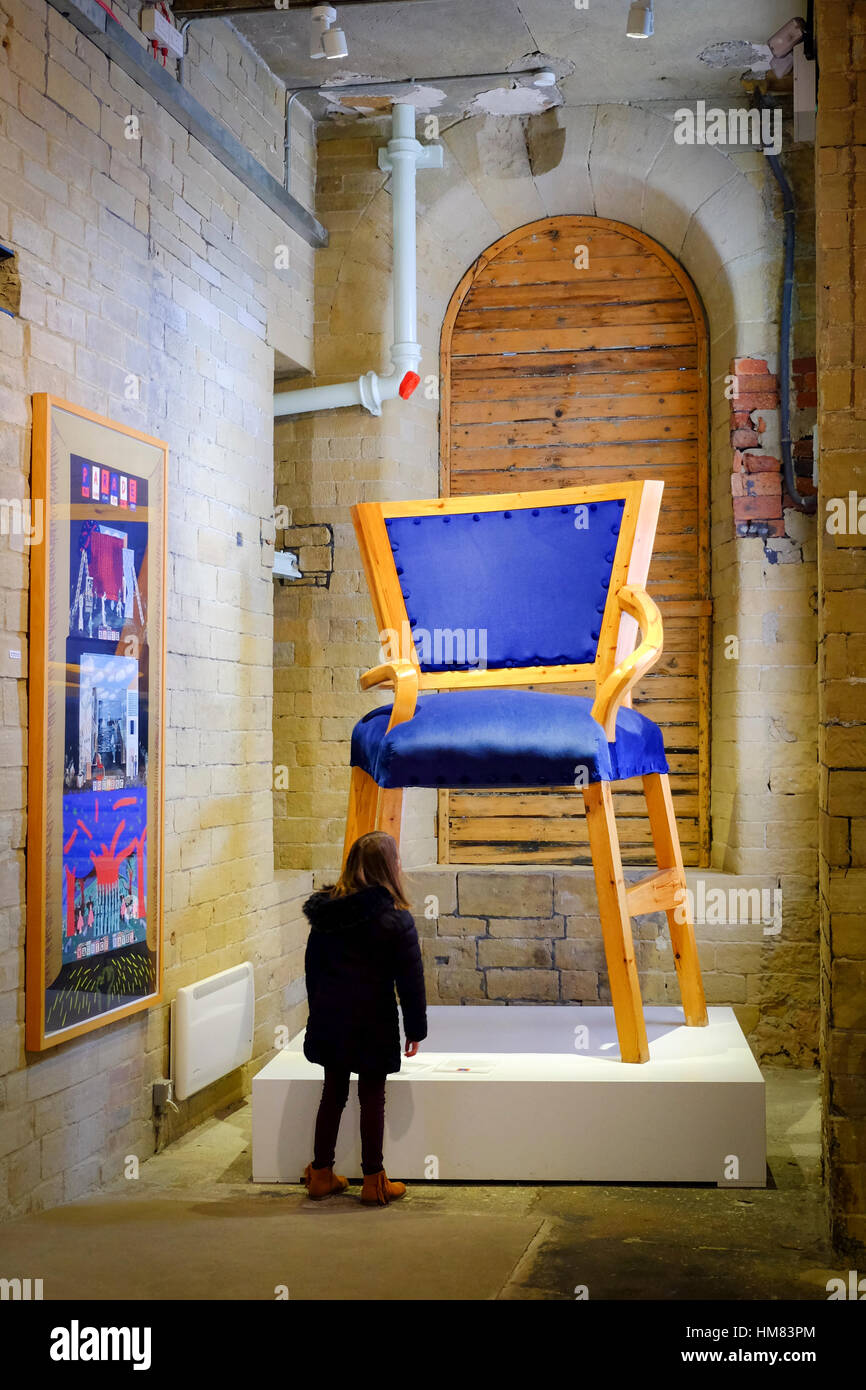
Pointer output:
x,y
104,747
97,697
106,959
106,580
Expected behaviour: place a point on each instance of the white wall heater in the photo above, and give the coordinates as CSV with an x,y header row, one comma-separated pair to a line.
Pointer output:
x,y
212,1028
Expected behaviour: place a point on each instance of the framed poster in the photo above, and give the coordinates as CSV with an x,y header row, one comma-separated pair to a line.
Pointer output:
x,y
97,695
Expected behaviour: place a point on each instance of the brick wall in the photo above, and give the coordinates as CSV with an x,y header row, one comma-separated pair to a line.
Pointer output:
x,y
145,256
841,219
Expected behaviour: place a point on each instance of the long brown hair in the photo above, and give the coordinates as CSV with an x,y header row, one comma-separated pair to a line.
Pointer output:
x,y
373,859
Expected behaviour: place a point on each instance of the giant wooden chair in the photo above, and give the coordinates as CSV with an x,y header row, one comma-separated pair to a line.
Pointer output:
x,y
476,597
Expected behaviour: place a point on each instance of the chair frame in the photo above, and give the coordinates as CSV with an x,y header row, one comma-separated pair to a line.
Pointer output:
x,y
618,665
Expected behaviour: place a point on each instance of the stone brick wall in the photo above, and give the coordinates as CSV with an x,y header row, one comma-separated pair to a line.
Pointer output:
x,y
147,257
841,221
515,936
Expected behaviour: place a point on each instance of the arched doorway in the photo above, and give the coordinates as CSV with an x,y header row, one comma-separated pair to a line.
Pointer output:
x,y
575,350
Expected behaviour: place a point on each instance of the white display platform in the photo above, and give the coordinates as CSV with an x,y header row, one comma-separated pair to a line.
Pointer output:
x,y
502,1093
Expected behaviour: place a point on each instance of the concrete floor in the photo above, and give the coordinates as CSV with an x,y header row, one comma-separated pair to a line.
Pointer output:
x,y
194,1226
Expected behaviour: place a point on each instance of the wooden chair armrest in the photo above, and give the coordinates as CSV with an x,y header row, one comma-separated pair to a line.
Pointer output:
x,y
403,676
612,691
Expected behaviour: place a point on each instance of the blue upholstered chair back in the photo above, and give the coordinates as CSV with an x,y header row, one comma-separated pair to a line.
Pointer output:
x,y
528,586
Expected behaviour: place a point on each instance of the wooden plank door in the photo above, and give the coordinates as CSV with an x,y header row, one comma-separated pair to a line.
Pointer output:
x,y
574,351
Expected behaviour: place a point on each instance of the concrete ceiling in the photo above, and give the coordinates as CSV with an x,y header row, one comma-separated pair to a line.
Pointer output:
x,y
587,48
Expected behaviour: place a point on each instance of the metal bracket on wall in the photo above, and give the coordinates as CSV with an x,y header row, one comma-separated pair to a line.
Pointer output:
x,y
286,565
121,48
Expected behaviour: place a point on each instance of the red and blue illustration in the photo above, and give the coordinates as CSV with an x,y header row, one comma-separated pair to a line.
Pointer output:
x,y
105,958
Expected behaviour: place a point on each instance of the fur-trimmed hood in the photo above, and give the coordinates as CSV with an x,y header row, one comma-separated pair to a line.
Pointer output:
x,y
327,913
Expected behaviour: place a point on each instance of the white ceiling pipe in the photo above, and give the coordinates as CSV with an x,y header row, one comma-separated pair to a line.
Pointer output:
x,y
403,156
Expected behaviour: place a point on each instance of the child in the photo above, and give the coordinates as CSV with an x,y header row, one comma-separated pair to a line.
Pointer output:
x,y
362,943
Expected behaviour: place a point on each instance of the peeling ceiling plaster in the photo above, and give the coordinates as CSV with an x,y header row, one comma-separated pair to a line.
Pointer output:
x,y
737,53
518,101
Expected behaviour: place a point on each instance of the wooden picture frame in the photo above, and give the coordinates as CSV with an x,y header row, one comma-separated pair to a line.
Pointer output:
x,y
96,764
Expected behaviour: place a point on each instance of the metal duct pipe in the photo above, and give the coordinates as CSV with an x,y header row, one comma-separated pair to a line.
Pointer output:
x,y
402,156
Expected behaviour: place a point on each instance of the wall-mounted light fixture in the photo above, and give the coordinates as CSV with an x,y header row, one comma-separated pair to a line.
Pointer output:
x,y
640,20
326,40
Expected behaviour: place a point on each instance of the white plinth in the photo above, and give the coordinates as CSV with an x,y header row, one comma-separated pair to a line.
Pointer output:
x,y
501,1093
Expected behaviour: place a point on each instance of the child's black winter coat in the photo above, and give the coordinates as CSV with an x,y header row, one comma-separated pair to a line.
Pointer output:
x,y
361,946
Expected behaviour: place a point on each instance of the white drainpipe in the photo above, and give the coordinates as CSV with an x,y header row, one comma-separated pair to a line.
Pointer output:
x,y
403,155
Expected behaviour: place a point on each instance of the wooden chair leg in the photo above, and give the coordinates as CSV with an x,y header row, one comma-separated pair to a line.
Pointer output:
x,y
663,825
363,801
390,815
615,923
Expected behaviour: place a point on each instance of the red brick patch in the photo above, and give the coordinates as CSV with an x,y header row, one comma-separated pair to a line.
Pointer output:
x,y
758,508
757,486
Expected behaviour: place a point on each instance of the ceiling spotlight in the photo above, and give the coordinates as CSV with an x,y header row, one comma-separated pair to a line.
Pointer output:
x,y
544,78
326,40
640,20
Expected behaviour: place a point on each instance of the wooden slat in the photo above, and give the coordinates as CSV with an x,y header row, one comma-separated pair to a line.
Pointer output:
x,y
553,803
568,407
555,339
519,829
662,357
486,296
541,432
555,854
535,388
576,315
552,467
628,268
559,241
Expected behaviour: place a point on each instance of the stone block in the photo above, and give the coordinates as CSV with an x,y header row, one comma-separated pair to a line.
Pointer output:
x,y
579,954
579,986
455,985
521,927
522,984
426,884
487,893
574,893
514,952
452,953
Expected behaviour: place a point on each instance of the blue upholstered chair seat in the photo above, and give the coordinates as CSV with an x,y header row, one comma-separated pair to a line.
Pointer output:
x,y
504,738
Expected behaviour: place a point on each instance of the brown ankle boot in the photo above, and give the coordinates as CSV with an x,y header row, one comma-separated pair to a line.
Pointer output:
x,y
378,1190
323,1182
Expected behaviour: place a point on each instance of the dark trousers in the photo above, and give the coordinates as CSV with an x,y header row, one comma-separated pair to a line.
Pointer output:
x,y
335,1093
